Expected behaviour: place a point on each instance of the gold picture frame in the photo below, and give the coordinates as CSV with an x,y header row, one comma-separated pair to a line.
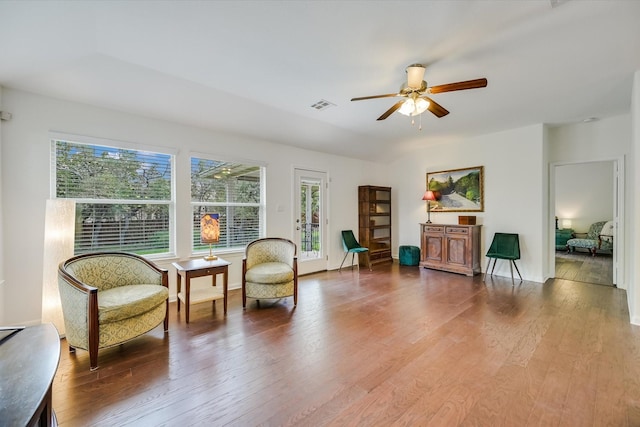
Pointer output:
x,y
457,190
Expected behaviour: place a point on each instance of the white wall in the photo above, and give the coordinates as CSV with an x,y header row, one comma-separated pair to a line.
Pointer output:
x,y
25,184
514,192
584,194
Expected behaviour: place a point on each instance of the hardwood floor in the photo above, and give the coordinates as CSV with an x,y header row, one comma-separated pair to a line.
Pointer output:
x,y
582,267
396,346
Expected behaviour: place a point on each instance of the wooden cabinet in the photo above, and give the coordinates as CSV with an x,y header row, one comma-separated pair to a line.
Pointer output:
x,y
454,248
374,219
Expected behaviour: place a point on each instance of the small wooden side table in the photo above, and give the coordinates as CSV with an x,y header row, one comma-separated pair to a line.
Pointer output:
x,y
200,268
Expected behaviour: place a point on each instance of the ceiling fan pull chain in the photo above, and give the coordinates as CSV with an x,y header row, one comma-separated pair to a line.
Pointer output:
x,y
420,126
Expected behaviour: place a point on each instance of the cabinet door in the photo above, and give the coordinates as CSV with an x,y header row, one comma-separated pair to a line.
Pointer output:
x,y
434,247
457,250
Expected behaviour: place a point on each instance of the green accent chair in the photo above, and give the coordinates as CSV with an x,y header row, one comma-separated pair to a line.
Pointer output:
x,y
504,246
593,242
270,270
351,246
109,298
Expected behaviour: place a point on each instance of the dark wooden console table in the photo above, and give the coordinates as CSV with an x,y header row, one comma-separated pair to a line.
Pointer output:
x,y
28,364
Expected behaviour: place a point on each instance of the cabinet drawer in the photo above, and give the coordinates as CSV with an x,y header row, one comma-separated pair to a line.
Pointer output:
x,y
457,230
434,228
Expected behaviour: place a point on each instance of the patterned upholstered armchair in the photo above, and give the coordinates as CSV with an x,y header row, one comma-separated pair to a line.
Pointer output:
x,y
109,298
594,241
270,270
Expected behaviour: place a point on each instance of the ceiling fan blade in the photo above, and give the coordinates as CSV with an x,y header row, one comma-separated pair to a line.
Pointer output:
x,y
436,108
450,87
388,95
391,110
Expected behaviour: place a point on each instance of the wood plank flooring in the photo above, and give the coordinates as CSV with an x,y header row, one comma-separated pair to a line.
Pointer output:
x,y
582,267
399,346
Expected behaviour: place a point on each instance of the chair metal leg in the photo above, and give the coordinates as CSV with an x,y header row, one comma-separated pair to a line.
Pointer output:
x,y
353,255
516,266
345,257
486,270
513,283
369,261
494,265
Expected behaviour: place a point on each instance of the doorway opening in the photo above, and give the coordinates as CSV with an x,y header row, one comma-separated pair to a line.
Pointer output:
x,y
584,195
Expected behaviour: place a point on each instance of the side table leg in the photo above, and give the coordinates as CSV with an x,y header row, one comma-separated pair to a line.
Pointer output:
x,y
225,283
187,292
178,280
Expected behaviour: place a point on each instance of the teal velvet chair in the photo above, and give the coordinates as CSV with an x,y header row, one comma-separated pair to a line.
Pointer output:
x,y
504,246
351,246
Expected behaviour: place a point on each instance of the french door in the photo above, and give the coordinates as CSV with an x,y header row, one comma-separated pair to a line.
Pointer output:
x,y
310,218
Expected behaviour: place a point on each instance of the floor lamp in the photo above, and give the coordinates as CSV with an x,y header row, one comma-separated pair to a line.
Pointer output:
x,y
59,230
429,196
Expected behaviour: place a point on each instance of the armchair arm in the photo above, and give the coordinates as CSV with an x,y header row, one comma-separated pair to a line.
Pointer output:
x,y
80,307
607,238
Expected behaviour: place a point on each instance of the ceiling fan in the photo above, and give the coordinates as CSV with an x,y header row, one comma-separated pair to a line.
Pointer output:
x,y
415,92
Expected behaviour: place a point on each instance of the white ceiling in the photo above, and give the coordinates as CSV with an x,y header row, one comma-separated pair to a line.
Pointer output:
x,y
256,67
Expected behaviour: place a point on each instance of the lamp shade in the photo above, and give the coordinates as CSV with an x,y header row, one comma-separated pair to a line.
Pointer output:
x,y
210,228
429,195
566,223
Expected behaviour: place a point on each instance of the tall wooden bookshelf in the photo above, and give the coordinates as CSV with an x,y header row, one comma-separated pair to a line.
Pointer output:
x,y
374,212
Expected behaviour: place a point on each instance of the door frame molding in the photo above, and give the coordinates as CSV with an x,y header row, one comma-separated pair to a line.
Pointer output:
x,y
619,267
326,239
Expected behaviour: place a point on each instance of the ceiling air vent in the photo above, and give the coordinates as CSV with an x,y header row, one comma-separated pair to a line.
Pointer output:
x,y
322,105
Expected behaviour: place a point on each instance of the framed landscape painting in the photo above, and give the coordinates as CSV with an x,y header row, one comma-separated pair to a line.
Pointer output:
x,y
457,190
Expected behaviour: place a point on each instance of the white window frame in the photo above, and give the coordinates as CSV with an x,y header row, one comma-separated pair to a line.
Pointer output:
x,y
89,140
261,205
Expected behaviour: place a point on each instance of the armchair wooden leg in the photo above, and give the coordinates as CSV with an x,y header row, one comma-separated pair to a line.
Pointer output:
x,y
93,358
166,318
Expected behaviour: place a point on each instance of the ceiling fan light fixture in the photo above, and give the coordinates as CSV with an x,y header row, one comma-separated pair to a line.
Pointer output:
x,y
415,74
414,107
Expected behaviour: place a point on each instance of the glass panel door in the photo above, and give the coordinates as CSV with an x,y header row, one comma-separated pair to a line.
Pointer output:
x,y
310,220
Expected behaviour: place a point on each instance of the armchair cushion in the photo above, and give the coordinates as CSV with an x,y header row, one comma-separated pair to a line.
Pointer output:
x,y
129,301
270,273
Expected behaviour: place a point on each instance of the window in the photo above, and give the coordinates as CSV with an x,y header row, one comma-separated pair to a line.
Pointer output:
x,y
235,192
123,197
